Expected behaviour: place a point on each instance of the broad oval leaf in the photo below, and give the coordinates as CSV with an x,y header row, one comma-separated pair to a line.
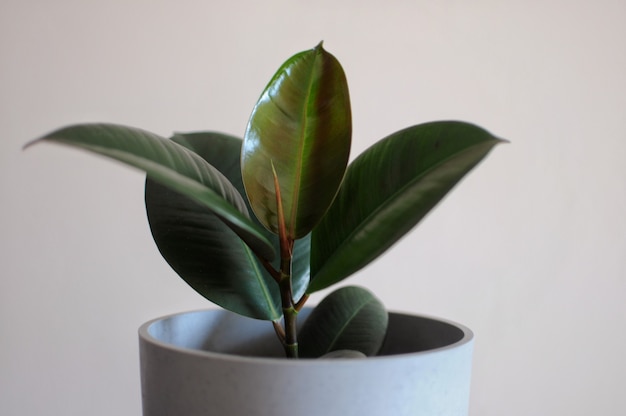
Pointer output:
x,y
302,127
173,166
208,255
350,318
197,244
201,144
388,189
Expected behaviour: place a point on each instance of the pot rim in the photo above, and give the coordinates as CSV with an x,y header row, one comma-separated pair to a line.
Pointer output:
x,y
146,336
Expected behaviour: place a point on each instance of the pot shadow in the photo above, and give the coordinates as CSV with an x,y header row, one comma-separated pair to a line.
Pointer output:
x,y
409,334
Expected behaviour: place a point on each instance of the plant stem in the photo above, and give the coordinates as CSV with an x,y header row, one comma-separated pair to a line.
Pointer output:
x,y
290,309
291,341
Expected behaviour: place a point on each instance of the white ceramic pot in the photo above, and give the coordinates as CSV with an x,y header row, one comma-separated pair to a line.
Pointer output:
x,y
216,363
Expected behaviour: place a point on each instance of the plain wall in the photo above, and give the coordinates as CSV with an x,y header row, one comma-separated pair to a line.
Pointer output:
x,y
528,251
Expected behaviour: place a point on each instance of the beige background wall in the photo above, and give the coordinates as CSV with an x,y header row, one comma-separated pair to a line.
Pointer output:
x,y
528,251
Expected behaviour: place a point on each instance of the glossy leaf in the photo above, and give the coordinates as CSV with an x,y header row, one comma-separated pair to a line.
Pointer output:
x,y
302,126
350,318
300,266
209,256
388,190
231,168
172,165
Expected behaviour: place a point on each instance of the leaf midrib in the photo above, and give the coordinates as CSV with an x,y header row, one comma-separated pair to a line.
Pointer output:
x,y
298,172
343,327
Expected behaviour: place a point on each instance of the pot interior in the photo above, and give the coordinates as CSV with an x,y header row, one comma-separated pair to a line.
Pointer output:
x,y
221,331
410,333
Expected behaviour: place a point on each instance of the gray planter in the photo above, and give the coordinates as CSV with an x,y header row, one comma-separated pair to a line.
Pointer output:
x,y
214,362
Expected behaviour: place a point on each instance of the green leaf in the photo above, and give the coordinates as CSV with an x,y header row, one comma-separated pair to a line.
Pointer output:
x,y
300,266
388,190
301,125
205,253
229,164
173,166
209,256
350,318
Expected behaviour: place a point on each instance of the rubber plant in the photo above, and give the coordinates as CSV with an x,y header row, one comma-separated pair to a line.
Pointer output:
x,y
256,225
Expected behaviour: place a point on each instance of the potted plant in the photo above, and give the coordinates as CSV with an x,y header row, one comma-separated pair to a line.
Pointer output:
x,y
256,225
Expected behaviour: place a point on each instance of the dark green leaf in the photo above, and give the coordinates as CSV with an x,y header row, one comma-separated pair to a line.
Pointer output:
x,y
300,266
350,318
388,190
301,125
209,256
230,166
173,166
